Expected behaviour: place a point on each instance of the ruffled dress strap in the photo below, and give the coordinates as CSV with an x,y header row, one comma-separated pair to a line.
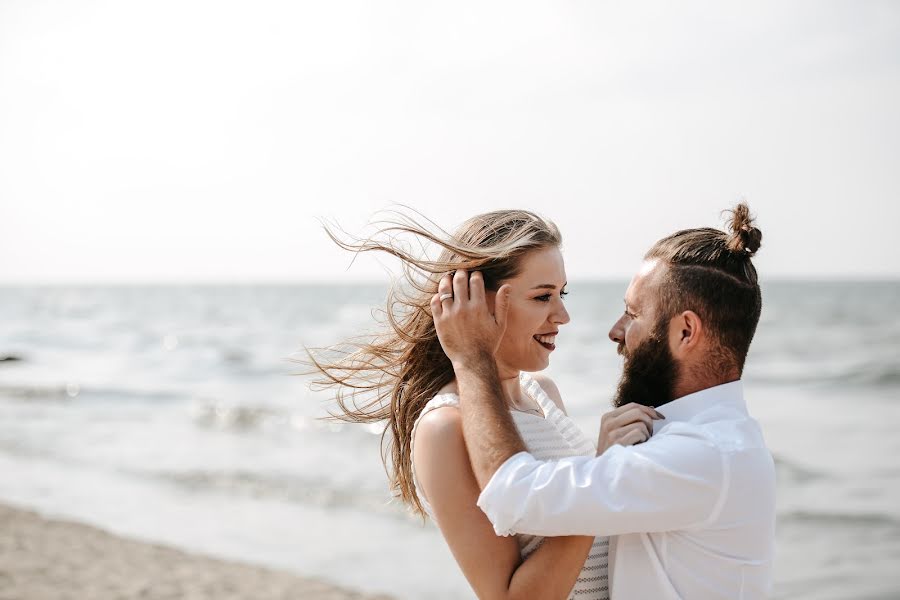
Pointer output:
x,y
567,428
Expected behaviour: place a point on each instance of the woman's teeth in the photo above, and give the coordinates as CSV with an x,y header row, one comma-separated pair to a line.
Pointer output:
x,y
548,341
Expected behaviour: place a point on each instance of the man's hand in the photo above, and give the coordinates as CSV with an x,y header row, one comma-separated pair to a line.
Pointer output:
x,y
470,336
465,326
627,425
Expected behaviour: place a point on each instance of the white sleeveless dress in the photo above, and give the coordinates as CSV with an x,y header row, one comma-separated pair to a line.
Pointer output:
x,y
550,437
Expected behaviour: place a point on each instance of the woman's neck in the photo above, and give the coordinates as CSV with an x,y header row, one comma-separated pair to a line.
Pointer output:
x,y
509,381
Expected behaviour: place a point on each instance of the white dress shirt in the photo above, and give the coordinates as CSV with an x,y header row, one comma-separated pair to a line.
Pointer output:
x,y
691,511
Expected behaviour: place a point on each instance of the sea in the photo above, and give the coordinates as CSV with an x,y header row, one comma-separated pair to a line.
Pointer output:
x,y
176,414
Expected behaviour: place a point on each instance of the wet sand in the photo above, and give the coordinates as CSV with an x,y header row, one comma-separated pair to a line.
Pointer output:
x,y
43,559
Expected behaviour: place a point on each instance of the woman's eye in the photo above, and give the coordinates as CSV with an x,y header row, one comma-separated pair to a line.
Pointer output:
x,y
546,297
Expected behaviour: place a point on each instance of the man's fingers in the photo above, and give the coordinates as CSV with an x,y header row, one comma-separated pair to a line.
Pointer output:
x,y
436,308
476,287
445,291
501,307
461,286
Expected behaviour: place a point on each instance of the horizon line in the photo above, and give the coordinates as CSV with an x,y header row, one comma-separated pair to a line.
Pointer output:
x,y
839,278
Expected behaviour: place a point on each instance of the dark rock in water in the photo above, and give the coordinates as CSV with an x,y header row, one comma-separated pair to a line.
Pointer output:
x,y
8,358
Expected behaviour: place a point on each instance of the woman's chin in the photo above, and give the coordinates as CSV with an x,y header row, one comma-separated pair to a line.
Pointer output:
x,y
531,364
535,366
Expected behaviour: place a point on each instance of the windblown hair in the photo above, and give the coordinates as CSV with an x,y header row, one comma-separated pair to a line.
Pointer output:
x,y
711,273
390,378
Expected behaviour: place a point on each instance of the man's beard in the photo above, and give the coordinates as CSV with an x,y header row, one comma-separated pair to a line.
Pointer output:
x,y
649,374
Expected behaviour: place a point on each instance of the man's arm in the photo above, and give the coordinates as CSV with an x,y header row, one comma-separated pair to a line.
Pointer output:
x,y
470,335
673,481
488,428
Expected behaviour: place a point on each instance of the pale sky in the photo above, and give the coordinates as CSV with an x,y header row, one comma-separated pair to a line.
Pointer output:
x,y
197,141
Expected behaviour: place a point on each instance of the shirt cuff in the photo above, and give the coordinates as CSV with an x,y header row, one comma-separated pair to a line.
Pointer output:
x,y
495,499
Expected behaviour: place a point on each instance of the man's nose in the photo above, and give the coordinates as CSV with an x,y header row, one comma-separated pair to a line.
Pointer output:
x,y
617,333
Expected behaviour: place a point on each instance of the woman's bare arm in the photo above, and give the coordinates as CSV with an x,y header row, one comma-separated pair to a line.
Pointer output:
x,y
491,564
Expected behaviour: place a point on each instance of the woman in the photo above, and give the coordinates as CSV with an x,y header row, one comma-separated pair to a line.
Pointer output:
x,y
411,387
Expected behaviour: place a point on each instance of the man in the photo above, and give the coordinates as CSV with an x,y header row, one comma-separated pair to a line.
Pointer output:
x,y
688,499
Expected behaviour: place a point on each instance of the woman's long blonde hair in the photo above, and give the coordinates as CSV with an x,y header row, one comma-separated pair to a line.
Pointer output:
x,y
391,376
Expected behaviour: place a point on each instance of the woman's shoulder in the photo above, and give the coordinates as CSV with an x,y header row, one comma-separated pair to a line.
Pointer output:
x,y
440,418
439,424
439,448
550,388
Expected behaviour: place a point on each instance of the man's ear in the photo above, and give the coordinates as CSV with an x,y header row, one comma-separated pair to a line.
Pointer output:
x,y
686,333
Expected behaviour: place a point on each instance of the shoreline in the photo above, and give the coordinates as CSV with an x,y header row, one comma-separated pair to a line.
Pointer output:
x,y
46,558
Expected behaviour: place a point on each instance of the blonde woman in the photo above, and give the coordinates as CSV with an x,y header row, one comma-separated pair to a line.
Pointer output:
x,y
404,379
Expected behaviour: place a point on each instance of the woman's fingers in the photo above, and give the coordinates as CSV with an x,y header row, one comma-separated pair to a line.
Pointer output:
x,y
655,414
626,420
630,416
636,435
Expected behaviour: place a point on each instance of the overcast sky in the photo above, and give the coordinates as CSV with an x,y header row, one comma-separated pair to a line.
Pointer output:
x,y
197,141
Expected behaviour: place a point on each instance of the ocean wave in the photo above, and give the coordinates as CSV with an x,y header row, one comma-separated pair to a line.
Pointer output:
x,y
211,414
789,473
245,418
74,391
808,517
310,491
35,392
874,375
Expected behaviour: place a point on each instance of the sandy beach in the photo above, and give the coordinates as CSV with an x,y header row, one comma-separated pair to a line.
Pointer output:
x,y
44,559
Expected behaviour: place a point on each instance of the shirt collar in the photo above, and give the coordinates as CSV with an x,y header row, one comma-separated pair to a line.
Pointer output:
x,y
687,407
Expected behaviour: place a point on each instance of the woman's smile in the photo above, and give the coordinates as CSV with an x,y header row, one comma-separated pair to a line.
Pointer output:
x,y
548,341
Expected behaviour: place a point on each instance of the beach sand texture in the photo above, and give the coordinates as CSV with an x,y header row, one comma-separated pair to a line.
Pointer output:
x,y
44,559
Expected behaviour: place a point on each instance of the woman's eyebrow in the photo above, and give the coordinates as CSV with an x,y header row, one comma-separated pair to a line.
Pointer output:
x,y
547,286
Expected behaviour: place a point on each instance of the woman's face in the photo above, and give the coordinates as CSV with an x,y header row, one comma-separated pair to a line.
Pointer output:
x,y
536,311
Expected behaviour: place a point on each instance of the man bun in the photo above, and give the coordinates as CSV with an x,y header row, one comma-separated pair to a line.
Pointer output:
x,y
744,238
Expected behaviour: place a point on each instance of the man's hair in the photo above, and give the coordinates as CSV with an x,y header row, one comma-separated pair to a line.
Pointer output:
x,y
710,272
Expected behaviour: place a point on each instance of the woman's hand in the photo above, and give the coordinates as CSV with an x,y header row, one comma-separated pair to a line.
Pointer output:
x,y
627,425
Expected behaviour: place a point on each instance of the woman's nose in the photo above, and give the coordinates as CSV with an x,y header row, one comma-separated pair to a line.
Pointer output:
x,y
562,316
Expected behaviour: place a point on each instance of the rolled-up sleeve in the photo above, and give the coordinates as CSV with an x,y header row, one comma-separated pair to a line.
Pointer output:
x,y
674,481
